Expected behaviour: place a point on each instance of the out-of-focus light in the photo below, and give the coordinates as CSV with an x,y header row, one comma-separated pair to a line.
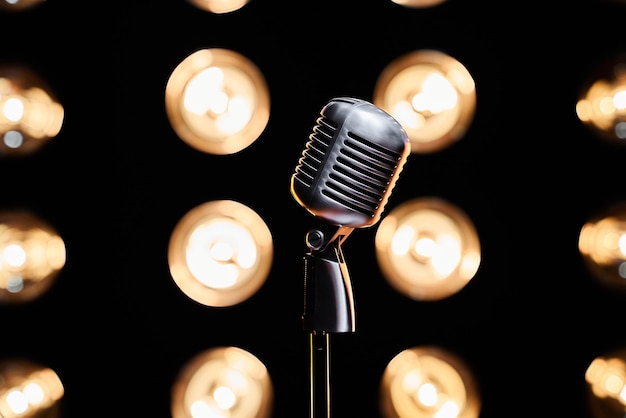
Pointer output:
x,y
220,253
29,113
427,248
18,5
29,390
602,244
217,101
31,256
431,94
223,382
418,4
219,6
606,385
601,104
428,382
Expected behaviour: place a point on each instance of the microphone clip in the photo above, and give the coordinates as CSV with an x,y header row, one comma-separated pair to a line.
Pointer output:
x,y
328,296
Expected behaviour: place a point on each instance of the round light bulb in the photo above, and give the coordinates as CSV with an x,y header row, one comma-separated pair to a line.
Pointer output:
x,y
418,4
28,389
217,101
428,382
29,114
223,382
219,6
606,385
601,104
602,244
431,94
19,5
31,256
220,253
427,248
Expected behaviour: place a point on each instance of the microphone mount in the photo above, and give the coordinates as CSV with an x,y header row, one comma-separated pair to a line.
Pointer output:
x,y
328,296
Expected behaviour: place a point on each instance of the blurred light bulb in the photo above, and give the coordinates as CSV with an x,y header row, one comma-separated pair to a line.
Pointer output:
x,y
18,5
219,6
606,385
220,253
31,256
418,4
601,103
29,390
223,382
428,382
602,244
427,249
217,101
431,94
29,114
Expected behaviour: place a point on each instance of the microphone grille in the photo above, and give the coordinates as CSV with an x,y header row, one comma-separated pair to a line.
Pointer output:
x,y
350,163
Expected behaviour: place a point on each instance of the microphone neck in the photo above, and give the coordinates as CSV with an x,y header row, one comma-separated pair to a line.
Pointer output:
x,y
321,235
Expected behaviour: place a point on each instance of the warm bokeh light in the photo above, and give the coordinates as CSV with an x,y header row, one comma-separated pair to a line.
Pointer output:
x,y
217,101
427,248
602,244
431,94
29,114
601,103
223,382
220,253
29,390
18,5
429,382
31,256
418,4
219,6
606,385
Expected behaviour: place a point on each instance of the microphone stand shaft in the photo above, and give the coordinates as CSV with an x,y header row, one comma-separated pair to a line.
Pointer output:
x,y
320,374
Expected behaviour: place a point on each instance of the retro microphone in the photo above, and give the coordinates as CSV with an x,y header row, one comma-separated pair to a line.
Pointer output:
x,y
344,179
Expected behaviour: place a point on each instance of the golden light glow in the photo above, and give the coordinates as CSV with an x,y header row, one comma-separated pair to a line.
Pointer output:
x,y
217,101
606,384
31,256
223,382
220,253
29,390
431,94
219,6
18,5
427,248
29,114
418,4
602,244
601,104
428,382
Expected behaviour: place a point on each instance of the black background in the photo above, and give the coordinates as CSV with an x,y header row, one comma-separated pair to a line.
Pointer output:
x,y
117,179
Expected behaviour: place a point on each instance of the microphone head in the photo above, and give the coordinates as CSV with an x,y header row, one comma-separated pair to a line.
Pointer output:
x,y
351,163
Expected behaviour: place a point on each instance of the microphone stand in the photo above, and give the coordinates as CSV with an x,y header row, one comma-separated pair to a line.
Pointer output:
x,y
328,307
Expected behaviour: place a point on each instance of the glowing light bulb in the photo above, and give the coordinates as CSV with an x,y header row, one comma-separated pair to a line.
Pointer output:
x,y
219,6
427,248
31,256
18,5
28,389
29,114
227,382
418,4
601,104
220,253
428,382
602,244
606,384
217,101
431,94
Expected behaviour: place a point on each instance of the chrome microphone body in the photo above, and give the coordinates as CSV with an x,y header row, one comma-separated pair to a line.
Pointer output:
x,y
344,178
